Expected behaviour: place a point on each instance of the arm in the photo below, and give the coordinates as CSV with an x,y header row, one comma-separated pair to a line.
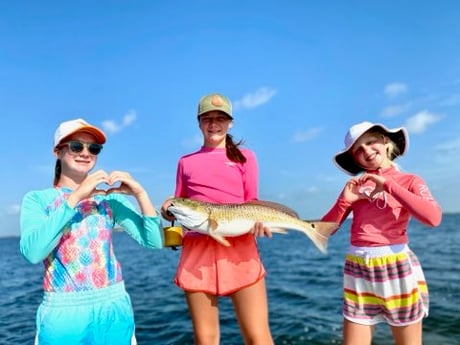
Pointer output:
x,y
339,211
181,188
44,215
251,190
42,231
411,192
250,177
417,199
342,207
144,229
179,192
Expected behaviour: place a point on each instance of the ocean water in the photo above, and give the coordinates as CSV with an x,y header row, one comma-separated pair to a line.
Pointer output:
x,y
304,290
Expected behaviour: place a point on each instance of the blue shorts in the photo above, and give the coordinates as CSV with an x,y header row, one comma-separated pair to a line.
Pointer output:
x,y
96,317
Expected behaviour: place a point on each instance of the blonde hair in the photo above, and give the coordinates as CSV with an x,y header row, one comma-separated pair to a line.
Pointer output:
x,y
392,148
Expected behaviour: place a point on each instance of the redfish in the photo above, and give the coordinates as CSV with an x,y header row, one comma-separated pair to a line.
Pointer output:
x,y
229,220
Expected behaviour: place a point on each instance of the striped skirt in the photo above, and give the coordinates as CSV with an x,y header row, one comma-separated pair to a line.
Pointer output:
x,y
384,284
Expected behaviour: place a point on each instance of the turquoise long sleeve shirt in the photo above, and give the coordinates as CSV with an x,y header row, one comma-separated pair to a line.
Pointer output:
x,y
75,244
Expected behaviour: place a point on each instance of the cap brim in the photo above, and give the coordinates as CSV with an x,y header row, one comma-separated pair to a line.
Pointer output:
x,y
218,109
95,132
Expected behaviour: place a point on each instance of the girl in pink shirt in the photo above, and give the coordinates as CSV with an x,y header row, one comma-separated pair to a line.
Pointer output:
x,y
383,279
221,172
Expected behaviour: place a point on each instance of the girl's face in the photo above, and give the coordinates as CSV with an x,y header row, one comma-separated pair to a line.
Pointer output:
x,y
77,163
370,151
214,126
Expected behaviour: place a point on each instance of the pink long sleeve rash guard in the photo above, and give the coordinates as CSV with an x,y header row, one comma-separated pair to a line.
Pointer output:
x,y
208,175
383,222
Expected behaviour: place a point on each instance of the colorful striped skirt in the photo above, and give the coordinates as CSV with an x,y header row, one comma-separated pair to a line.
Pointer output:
x,y
384,284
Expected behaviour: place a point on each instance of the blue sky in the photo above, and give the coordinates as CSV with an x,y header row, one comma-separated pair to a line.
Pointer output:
x,y
299,74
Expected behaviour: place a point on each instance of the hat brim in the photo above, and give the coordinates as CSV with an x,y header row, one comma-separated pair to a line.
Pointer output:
x,y
95,132
344,160
217,109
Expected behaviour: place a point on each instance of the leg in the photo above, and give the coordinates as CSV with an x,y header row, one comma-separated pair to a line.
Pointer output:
x,y
204,312
356,334
251,309
408,335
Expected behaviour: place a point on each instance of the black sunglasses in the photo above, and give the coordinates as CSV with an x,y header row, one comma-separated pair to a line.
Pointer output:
x,y
78,146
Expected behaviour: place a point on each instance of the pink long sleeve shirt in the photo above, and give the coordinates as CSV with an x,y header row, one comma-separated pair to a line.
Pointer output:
x,y
208,175
385,220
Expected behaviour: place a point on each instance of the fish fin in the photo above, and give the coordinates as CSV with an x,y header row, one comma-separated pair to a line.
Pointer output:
x,y
279,230
220,239
274,205
212,224
319,233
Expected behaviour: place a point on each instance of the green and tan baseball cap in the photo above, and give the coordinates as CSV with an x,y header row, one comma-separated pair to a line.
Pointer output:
x,y
215,101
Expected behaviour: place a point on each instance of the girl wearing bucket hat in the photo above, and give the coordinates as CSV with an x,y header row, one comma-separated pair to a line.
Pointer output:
x,y
383,279
69,228
221,172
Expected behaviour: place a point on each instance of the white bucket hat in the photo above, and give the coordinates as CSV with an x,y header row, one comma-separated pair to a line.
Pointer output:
x,y
68,128
344,159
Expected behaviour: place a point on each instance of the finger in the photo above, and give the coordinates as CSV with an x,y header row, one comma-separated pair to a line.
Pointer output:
x,y
99,192
167,203
267,232
115,190
259,229
119,176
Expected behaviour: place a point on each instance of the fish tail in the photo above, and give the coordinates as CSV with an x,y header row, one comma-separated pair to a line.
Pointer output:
x,y
319,233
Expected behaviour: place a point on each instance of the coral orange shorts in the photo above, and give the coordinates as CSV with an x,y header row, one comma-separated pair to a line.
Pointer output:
x,y
208,266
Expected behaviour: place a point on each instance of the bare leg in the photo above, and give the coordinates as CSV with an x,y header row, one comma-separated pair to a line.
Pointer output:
x,y
356,334
408,335
204,312
251,310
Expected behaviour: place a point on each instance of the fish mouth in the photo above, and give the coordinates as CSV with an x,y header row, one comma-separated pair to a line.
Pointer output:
x,y
175,210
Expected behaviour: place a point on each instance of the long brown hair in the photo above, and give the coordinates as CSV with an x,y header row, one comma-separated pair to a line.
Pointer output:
x,y
233,152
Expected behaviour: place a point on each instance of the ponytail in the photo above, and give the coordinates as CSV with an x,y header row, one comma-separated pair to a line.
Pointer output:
x,y
233,152
57,172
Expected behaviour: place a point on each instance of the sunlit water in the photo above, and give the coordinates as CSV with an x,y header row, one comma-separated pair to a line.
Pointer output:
x,y
304,289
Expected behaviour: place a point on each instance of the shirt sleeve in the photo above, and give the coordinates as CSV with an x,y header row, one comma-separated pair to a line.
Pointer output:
x,y
250,177
417,199
339,212
41,230
181,188
145,230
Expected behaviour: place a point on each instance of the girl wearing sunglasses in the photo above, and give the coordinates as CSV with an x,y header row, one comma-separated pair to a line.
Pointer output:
x,y
69,228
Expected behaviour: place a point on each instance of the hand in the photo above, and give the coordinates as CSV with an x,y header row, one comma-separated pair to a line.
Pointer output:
x,y
260,230
377,179
164,209
87,188
128,185
351,191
